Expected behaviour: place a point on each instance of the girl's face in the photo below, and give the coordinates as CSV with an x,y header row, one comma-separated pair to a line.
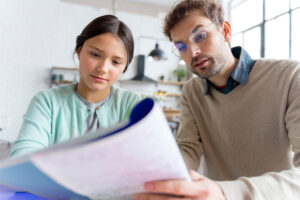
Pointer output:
x,y
102,59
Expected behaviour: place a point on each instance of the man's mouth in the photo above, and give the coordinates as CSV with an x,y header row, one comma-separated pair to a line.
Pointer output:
x,y
200,64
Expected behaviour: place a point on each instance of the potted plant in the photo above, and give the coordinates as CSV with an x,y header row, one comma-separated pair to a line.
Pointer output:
x,y
180,73
161,77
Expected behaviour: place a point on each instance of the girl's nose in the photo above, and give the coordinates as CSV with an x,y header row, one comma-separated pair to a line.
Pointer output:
x,y
103,66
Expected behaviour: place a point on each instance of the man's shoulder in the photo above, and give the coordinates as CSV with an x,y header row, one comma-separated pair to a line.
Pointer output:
x,y
279,63
276,67
194,82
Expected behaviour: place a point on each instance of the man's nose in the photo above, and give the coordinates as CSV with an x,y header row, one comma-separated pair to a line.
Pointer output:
x,y
194,49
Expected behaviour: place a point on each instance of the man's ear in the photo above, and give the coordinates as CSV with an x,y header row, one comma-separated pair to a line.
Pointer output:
x,y
226,30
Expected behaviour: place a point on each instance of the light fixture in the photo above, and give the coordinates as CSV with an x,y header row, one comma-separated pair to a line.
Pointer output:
x,y
157,54
140,71
181,61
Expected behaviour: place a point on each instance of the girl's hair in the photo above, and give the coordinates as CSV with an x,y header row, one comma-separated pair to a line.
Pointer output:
x,y
108,24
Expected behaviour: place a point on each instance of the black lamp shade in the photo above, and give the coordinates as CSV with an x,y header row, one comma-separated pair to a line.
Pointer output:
x,y
157,53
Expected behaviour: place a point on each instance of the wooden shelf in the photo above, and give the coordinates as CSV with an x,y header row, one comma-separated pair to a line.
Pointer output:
x,y
171,113
157,82
65,68
171,82
173,95
62,82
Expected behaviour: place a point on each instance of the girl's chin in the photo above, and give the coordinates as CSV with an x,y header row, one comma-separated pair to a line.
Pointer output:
x,y
98,87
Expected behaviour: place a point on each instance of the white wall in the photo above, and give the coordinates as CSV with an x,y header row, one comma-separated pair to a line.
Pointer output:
x,y
36,35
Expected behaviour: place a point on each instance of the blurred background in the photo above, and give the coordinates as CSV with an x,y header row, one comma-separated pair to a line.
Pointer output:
x,y
37,40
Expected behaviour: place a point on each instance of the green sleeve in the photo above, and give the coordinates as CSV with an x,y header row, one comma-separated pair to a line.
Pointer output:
x,y
35,132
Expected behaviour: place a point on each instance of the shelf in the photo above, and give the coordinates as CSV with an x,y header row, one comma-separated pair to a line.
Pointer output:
x,y
62,82
171,82
171,113
65,68
173,95
157,82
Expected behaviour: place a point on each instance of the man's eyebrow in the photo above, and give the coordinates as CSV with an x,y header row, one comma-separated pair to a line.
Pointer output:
x,y
193,31
178,41
196,28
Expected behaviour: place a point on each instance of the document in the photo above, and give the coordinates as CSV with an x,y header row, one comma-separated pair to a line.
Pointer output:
x,y
106,164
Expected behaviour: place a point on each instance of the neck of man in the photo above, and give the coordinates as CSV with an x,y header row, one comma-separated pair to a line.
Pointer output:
x,y
93,96
220,78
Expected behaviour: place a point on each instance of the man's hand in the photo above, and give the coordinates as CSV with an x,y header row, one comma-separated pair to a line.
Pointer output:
x,y
199,188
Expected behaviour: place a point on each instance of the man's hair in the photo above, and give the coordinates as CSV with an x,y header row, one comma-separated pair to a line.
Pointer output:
x,y
209,8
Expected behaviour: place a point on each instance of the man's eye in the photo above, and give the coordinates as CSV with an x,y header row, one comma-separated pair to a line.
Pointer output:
x,y
181,46
199,37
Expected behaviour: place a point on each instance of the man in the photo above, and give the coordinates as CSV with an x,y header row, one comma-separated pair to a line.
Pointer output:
x,y
242,114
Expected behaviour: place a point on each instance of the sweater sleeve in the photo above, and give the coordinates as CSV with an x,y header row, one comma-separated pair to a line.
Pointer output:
x,y
275,185
36,128
187,137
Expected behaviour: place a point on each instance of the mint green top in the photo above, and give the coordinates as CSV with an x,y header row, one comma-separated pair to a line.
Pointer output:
x,y
56,115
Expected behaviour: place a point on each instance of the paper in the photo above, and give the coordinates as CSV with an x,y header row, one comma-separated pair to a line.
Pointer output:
x,y
108,164
119,164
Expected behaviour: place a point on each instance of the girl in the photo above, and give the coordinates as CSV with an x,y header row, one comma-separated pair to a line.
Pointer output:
x,y
104,50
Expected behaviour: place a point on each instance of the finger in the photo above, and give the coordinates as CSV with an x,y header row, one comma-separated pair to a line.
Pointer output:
x,y
177,187
145,196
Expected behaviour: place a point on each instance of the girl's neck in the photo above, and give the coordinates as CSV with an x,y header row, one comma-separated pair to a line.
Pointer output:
x,y
92,96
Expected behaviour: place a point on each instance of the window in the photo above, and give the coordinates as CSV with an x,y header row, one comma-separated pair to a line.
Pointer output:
x,y
246,8
277,39
295,42
276,7
253,48
237,40
295,4
266,28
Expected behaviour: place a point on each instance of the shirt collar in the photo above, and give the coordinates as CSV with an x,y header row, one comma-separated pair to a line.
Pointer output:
x,y
242,69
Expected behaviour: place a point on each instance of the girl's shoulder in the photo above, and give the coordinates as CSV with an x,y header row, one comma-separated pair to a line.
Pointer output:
x,y
124,94
56,95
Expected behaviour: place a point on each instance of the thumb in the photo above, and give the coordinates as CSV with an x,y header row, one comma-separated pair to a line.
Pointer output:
x,y
195,176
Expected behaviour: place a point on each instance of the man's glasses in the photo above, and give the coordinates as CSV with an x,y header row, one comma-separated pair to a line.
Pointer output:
x,y
197,36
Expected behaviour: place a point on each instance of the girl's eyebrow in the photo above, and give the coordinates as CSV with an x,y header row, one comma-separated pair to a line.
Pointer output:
x,y
96,48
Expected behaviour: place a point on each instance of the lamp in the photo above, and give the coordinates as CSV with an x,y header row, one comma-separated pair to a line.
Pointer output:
x,y
157,54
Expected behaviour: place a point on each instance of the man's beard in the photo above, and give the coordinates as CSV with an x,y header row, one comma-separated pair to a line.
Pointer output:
x,y
213,66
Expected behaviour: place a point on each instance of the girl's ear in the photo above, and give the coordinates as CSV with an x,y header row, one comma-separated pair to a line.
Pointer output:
x,y
78,53
226,30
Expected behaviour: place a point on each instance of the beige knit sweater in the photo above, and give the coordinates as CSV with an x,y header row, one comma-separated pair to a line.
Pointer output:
x,y
247,136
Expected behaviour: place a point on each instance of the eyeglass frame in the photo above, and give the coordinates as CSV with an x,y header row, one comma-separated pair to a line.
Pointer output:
x,y
203,32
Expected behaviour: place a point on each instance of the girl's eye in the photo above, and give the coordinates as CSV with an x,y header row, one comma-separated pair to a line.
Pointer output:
x,y
95,55
116,62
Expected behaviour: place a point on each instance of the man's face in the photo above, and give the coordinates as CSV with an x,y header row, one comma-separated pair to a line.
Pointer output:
x,y
201,44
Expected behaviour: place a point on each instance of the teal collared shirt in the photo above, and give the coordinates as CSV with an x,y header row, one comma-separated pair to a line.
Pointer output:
x,y
57,115
240,73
